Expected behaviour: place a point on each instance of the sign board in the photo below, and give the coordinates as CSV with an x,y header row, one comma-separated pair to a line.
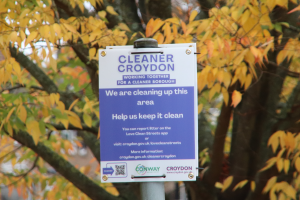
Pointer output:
x,y
148,113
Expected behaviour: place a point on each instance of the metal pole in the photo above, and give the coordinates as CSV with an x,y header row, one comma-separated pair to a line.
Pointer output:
x,y
150,190
153,191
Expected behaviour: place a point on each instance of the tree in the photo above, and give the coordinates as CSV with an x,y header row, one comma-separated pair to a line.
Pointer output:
x,y
249,58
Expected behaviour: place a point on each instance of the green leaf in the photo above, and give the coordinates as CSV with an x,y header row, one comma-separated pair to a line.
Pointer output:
x,y
278,27
42,127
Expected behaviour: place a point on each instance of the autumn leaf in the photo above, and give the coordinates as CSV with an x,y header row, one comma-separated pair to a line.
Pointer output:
x,y
31,37
240,184
200,107
70,28
193,15
124,27
252,186
227,182
22,114
219,185
111,10
102,14
236,98
270,184
294,10
297,164
87,120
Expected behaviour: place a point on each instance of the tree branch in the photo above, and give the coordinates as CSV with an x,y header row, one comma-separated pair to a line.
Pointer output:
x,y
93,130
215,166
66,169
34,70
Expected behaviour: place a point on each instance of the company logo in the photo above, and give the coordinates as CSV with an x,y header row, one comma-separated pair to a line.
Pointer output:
x,y
141,169
179,168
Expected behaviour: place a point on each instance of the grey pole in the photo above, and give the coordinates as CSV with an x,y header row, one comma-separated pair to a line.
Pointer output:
x,y
150,190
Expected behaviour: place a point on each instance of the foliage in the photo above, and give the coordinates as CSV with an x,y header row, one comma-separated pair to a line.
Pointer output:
x,y
48,83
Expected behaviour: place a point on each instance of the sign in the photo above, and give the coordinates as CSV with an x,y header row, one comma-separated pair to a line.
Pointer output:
x,y
148,113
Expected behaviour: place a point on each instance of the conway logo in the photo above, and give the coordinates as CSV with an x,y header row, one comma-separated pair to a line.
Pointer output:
x,y
141,169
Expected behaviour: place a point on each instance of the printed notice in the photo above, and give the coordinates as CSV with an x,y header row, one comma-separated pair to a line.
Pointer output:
x,y
147,123
148,113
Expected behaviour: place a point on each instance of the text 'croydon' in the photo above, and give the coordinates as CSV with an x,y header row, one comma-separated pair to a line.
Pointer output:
x,y
138,63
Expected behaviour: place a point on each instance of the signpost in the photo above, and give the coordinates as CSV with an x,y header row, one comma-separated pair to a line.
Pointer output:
x,y
148,113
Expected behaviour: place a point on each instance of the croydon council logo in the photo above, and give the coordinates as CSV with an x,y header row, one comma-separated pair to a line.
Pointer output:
x,y
141,169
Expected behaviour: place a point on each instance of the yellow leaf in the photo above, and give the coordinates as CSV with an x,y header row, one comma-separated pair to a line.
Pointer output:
x,y
291,192
53,64
297,164
236,98
255,52
74,102
286,165
34,130
9,129
22,114
13,36
219,185
92,52
124,27
149,27
252,186
22,35
248,81
133,35
193,15
87,120
10,113
226,79
270,184
227,183
87,169
281,56
173,20
270,163
111,10
46,31
102,14
272,195
70,28
240,184
279,164
167,31
281,196
225,95
183,26
75,121
156,25
203,26
61,106
57,29
31,37
65,122
200,107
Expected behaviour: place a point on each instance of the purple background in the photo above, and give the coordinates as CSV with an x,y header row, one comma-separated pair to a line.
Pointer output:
x,y
182,129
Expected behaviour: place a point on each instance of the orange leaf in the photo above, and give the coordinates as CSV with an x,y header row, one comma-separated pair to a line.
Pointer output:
x,y
149,27
210,48
183,25
156,25
92,160
236,98
294,10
